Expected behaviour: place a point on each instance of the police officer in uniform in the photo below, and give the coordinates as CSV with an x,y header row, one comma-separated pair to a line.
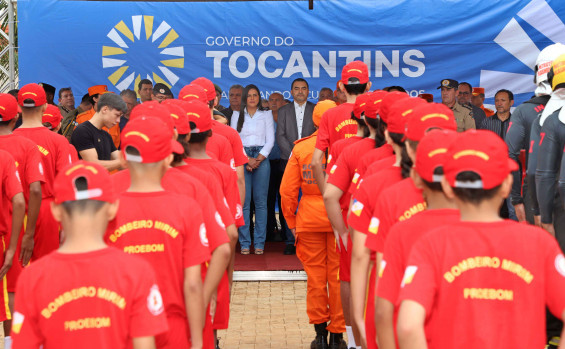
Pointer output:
x,y
463,113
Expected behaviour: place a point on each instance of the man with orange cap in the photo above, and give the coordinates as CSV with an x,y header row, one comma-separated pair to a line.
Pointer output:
x,y
315,243
94,93
479,98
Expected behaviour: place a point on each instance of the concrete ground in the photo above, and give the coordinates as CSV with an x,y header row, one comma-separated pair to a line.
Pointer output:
x,y
268,314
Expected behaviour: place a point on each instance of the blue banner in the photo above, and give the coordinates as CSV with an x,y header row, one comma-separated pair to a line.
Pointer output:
x,y
414,44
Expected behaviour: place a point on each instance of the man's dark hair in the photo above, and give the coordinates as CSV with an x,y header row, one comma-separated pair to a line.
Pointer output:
x,y
467,84
128,93
144,82
355,89
361,123
394,88
405,162
236,86
473,196
326,89
509,93
64,89
297,80
14,93
380,136
81,206
5,123
112,101
434,186
246,90
196,138
180,157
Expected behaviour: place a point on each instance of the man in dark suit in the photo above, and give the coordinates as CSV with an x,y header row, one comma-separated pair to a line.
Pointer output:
x,y
294,122
294,119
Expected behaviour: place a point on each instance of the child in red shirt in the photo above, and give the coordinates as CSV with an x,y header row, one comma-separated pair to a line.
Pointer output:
x,y
86,294
483,282
164,228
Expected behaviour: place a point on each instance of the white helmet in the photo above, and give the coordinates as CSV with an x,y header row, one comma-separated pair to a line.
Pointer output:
x,y
543,65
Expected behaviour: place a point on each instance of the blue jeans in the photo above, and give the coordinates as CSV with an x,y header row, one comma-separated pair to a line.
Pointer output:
x,y
256,184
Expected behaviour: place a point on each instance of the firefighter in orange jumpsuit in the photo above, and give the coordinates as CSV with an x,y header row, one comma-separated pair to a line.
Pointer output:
x,y
94,93
478,99
315,240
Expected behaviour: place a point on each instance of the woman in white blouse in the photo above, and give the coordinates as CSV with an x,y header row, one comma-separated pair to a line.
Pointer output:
x,y
257,134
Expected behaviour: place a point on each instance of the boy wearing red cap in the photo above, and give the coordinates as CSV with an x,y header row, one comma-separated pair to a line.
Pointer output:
x,y
54,150
52,120
171,237
315,242
498,274
77,296
336,124
427,174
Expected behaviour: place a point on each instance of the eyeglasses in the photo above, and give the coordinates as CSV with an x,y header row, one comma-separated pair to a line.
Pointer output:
x,y
464,93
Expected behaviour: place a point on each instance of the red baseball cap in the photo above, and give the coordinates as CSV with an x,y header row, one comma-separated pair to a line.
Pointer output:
x,y
83,180
388,101
8,107
192,92
428,116
199,114
431,153
482,152
32,95
52,115
156,110
361,104
399,113
150,137
355,73
207,85
178,113
374,104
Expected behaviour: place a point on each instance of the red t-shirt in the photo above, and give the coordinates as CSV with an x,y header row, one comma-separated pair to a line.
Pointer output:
x,y
98,299
336,124
401,238
11,186
398,203
365,198
228,179
239,155
54,150
214,188
485,285
73,152
336,150
179,182
371,157
28,159
219,148
377,166
167,230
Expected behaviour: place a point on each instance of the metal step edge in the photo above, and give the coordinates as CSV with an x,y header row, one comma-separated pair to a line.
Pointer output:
x,y
270,275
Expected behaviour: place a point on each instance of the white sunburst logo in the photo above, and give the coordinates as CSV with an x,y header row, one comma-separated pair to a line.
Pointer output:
x,y
135,55
514,39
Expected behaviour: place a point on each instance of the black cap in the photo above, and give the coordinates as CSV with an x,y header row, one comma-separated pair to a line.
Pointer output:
x,y
48,88
162,89
449,83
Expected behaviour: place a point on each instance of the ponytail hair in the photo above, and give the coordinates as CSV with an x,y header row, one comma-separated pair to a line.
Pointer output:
x,y
405,162
243,106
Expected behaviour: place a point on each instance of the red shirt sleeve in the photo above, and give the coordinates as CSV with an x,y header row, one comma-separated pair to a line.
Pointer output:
x,y
11,178
214,227
375,225
63,155
33,170
195,243
420,281
25,322
323,139
239,155
232,197
392,268
339,173
361,214
220,201
146,317
332,158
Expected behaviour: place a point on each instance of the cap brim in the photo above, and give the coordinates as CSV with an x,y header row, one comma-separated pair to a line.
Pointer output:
x,y
177,147
513,165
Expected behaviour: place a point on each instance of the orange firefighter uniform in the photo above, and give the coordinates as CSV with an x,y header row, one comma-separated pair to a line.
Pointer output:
x,y
315,242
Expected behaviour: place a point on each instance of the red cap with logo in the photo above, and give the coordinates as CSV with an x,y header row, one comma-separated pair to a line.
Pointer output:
x,y
52,115
8,107
178,113
156,110
482,152
355,73
83,180
193,92
388,101
199,114
400,112
32,95
361,104
150,137
207,85
429,116
431,152
374,104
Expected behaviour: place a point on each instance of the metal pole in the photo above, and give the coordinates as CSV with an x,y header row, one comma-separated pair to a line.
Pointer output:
x,y
11,44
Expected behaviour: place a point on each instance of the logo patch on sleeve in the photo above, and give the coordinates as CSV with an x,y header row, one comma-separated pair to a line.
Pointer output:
x,y
334,167
409,275
219,220
382,268
374,225
17,322
203,236
560,264
155,301
357,207
355,178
